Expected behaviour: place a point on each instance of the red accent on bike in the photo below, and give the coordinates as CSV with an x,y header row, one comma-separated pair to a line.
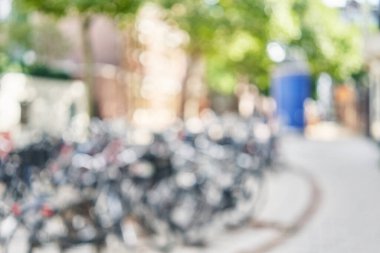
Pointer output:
x,y
66,149
47,211
16,209
6,144
181,135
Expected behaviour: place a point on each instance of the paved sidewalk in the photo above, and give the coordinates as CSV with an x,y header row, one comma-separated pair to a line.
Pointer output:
x,y
348,174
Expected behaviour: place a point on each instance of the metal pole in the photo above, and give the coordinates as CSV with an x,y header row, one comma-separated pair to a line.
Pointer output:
x,y
378,15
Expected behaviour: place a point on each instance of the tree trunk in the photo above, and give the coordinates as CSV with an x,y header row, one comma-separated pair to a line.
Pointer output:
x,y
128,56
89,65
191,64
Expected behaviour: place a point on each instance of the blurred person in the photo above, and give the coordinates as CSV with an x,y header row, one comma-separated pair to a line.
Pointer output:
x,y
312,113
247,99
345,106
324,95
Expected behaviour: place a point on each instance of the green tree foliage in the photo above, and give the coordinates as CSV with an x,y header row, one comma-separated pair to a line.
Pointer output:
x,y
17,33
242,52
232,37
337,44
64,7
28,41
331,44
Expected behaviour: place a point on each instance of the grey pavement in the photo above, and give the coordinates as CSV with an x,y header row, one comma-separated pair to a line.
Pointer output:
x,y
348,174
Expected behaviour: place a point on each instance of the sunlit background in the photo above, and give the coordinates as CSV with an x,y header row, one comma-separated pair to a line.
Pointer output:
x,y
213,87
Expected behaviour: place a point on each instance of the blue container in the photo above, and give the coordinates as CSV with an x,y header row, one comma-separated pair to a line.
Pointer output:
x,y
290,88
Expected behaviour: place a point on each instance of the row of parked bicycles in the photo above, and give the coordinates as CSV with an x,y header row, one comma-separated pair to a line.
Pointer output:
x,y
181,185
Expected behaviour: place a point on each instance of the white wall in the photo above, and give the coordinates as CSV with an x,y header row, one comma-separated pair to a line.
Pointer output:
x,y
49,105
